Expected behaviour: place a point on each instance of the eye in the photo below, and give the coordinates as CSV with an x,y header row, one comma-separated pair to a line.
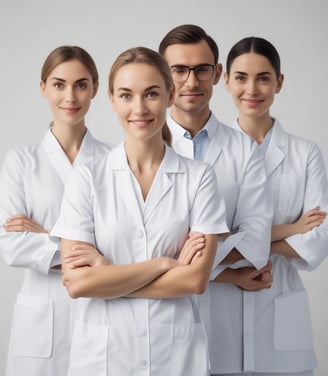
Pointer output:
x,y
240,77
179,69
264,79
125,96
58,85
152,94
81,85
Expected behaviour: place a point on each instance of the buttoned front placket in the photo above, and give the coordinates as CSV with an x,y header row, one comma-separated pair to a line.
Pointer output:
x,y
142,308
248,331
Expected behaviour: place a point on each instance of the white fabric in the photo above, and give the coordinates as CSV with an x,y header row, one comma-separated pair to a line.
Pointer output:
x,y
32,183
241,179
127,336
270,330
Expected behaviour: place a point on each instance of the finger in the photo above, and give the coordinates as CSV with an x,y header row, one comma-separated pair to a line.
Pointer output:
x,y
195,235
197,256
16,216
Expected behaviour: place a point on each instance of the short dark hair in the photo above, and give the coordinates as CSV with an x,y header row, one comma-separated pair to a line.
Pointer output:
x,y
187,34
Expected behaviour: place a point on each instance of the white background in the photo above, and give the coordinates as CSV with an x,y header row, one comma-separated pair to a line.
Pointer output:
x,y
29,30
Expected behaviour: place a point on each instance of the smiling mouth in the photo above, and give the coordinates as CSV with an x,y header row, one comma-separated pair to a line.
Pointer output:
x,y
71,110
141,123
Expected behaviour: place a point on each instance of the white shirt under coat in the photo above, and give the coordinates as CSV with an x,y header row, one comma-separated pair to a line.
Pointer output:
x,y
32,182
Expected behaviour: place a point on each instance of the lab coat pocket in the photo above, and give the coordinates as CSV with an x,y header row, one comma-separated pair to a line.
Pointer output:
x,y
89,350
291,193
32,334
182,348
292,322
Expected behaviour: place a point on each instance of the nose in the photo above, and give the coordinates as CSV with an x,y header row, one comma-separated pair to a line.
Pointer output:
x,y
251,87
192,79
140,106
70,95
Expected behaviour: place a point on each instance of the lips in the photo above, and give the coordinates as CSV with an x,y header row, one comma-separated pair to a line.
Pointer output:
x,y
70,110
142,123
252,101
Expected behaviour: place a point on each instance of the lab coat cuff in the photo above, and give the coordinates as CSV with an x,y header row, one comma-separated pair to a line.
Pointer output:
x,y
255,258
73,234
51,256
302,263
226,246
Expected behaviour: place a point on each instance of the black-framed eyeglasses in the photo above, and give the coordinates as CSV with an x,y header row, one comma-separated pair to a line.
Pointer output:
x,y
203,72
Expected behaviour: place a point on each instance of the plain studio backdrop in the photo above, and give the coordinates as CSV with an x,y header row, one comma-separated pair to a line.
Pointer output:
x,y
29,30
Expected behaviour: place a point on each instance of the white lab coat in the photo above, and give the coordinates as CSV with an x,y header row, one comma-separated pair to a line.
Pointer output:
x,y
270,330
32,183
103,205
239,169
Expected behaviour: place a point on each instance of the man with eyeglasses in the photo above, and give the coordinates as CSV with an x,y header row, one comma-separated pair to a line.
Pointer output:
x,y
241,265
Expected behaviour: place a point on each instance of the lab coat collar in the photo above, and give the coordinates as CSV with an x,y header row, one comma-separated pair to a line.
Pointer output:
x,y
59,159
161,185
119,161
276,151
217,136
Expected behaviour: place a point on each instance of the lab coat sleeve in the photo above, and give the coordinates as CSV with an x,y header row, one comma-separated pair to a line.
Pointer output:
x,y
208,214
37,251
251,231
76,219
312,246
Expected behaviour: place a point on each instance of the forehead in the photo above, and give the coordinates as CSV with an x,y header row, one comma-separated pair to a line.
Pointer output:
x,y
189,54
138,76
251,63
70,70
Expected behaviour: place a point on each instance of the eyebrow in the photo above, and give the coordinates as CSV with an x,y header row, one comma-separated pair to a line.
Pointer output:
x,y
147,89
258,74
62,80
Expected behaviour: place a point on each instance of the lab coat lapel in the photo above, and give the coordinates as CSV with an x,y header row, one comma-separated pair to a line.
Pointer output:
x,y
87,150
126,191
276,150
59,159
162,182
56,156
215,146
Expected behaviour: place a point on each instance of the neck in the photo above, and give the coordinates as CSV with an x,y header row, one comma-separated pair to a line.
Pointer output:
x,y
190,121
69,138
257,128
143,155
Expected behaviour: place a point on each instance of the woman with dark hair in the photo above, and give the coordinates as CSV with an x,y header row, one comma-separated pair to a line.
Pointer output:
x,y
276,337
137,207
32,183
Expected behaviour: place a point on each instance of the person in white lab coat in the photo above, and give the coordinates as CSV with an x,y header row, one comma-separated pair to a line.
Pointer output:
x,y
193,59
276,338
137,207
31,187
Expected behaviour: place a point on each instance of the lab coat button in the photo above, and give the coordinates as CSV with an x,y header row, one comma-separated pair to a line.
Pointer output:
x,y
140,234
144,363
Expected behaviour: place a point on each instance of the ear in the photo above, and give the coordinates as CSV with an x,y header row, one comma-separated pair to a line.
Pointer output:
x,y
280,82
218,73
226,81
43,88
95,89
111,99
171,96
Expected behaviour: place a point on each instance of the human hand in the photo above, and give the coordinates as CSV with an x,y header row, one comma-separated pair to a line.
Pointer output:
x,y
309,220
192,248
22,223
84,255
251,279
